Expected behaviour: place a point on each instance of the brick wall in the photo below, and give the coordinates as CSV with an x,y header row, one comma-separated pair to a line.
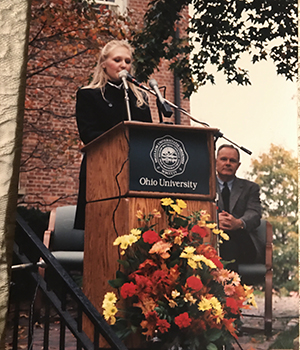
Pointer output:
x,y
51,147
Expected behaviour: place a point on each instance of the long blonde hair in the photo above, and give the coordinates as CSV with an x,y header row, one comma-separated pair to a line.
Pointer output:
x,y
100,77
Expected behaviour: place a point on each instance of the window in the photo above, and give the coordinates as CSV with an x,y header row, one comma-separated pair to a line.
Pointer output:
x,y
114,5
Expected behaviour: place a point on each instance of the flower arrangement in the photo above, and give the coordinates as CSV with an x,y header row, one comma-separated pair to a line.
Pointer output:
x,y
173,288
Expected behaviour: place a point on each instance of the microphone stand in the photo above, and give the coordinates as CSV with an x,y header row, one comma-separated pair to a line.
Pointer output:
x,y
126,97
217,135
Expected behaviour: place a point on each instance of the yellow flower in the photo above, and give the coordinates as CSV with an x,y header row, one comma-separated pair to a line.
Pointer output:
x,y
176,208
117,241
166,201
211,225
112,320
204,215
188,252
204,304
217,231
207,262
202,223
224,236
109,308
110,297
109,315
126,240
178,240
192,264
252,300
215,304
181,203
139,214
166,233
136,232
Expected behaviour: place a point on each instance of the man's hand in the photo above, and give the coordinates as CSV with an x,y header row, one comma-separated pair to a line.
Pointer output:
x,y
228,222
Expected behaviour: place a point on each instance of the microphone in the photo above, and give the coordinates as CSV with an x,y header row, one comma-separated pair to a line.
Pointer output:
x,y
123,76
166,109
132,79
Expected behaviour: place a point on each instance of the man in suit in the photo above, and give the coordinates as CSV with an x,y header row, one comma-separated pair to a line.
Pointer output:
x,y
239,210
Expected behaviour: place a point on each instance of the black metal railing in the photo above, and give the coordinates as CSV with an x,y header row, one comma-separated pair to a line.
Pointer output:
x,y
58,294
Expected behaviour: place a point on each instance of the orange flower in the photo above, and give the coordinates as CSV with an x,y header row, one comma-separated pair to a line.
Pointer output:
x,y
161,248
163,325
228,323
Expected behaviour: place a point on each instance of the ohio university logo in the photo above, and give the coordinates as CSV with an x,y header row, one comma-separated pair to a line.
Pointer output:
x,y
169,156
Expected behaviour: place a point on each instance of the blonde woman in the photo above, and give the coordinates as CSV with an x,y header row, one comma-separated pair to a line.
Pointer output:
x,y
101,105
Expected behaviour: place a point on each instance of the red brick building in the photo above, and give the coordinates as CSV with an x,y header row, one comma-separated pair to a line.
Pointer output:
x,y
51,146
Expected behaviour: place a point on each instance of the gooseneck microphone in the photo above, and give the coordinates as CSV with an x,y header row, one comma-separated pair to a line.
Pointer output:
x,y
132,79
166,109
123,75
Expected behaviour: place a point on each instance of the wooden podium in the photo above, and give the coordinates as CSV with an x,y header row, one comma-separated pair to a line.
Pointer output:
x,y
131,167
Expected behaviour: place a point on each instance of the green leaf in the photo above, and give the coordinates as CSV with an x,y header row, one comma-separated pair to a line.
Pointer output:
x,y
213,334
121,275
116,283
124,263
211,346
179,222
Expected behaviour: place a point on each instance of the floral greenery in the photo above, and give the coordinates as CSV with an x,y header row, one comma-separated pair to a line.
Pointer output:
x,y
175,287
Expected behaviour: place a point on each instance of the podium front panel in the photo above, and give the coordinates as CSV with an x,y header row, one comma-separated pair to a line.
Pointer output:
x,y
169,161
136,159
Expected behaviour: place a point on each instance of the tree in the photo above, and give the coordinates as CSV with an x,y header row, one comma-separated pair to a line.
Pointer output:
x,y
14,38
64,42
276,173
219,33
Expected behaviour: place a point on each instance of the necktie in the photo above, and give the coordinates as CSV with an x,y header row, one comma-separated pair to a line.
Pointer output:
x,y
226,196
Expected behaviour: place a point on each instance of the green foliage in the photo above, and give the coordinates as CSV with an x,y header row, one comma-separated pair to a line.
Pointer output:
x,y
285,340
285,269
36,219
220,32
276,173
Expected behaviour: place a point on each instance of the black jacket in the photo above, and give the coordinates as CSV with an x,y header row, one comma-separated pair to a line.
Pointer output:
x,y
96,115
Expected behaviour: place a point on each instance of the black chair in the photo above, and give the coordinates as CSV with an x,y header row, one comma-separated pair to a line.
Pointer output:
x,y
262,271
65,242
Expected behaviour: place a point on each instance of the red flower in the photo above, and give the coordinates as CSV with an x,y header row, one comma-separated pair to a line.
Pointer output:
x,y
201,231
217,262
233,305
194,283
163,325
151,237
183,320
144,284
128,290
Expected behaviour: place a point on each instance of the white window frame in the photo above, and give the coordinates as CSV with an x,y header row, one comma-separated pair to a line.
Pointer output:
x,y
114,5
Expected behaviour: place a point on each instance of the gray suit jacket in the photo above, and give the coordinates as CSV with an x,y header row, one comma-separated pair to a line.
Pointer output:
x,y
245,204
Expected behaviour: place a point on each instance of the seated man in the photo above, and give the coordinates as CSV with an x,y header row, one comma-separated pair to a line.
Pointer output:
x,y
239,210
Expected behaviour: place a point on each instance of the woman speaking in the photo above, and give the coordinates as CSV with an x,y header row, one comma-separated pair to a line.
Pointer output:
x,y
101,105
